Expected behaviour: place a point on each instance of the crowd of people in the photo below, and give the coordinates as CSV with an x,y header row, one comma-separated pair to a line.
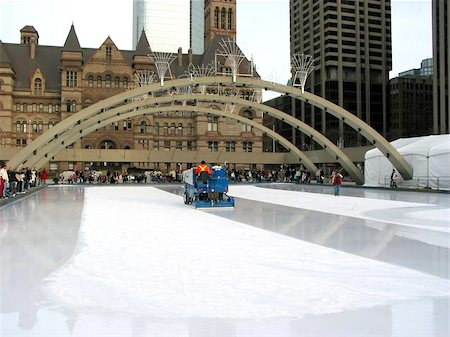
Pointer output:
x,y
14,182
20,181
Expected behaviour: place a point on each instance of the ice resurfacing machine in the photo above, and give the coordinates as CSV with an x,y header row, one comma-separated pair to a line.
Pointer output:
x,y
208,193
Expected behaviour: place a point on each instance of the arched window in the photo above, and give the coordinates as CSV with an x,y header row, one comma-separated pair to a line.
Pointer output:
x,y
99,81
40,127
34,127
125,82
74,106
143,127
230,19
245,127
190,129
223,18
52,124
90,81
156,129
172,128
19,126
108,81
117,82
68,105
180,129
108,144
216,18
38,86
166,129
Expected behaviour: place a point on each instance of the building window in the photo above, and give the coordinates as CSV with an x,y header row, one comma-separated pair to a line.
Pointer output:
x,y
108,144
190,129
213,123
247,146
108,53
71,78
34,107
156,145
90,81
223,18
40,127
125,82
179,145
18,107
230,19
166,129
213,146
143,127
41,107
189,146
180,129
108,81
246,127
166,145
53,166
117,82
34,127
38,86
172,129
216,18
230,146
99,81
71,106
156,129
21,126
50,108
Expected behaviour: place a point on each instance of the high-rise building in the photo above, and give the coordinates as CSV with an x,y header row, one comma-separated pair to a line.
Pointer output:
x,y
197,32
411,102
350,42
441,74
171,24
165,22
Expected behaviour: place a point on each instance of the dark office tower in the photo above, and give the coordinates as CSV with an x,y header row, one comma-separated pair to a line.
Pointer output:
x,y
441,60
351,44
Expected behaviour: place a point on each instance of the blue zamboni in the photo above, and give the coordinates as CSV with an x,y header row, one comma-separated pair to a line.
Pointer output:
x,y
207,192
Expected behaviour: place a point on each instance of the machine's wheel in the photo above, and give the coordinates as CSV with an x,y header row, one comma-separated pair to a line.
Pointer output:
x,y
186,199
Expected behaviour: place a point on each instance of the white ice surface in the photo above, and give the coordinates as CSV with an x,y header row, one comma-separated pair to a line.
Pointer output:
x,y
433,219
142,251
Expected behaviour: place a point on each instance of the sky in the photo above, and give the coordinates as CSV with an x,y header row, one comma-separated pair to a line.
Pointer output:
x,y
262,28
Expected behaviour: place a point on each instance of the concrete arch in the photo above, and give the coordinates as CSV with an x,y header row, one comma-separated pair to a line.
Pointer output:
x,y
365,130
347,164
87,129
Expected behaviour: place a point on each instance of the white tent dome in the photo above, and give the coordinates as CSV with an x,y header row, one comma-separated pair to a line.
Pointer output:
x,y
429,156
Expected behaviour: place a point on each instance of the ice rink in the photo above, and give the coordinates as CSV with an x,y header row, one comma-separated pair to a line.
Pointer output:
x,y
289,260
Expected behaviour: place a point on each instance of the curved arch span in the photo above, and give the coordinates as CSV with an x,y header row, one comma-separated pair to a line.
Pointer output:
x,y
364,129
73,136
59,141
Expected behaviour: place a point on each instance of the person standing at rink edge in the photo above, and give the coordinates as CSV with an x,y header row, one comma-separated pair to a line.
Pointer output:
x,y
336,180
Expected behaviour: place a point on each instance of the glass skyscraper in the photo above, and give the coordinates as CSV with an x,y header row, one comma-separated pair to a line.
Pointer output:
x,y
170,24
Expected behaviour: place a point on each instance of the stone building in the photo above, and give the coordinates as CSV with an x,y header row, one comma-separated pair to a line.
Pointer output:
x,y
42,85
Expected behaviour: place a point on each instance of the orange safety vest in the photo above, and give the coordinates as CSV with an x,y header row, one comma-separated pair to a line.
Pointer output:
x,y
201,168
